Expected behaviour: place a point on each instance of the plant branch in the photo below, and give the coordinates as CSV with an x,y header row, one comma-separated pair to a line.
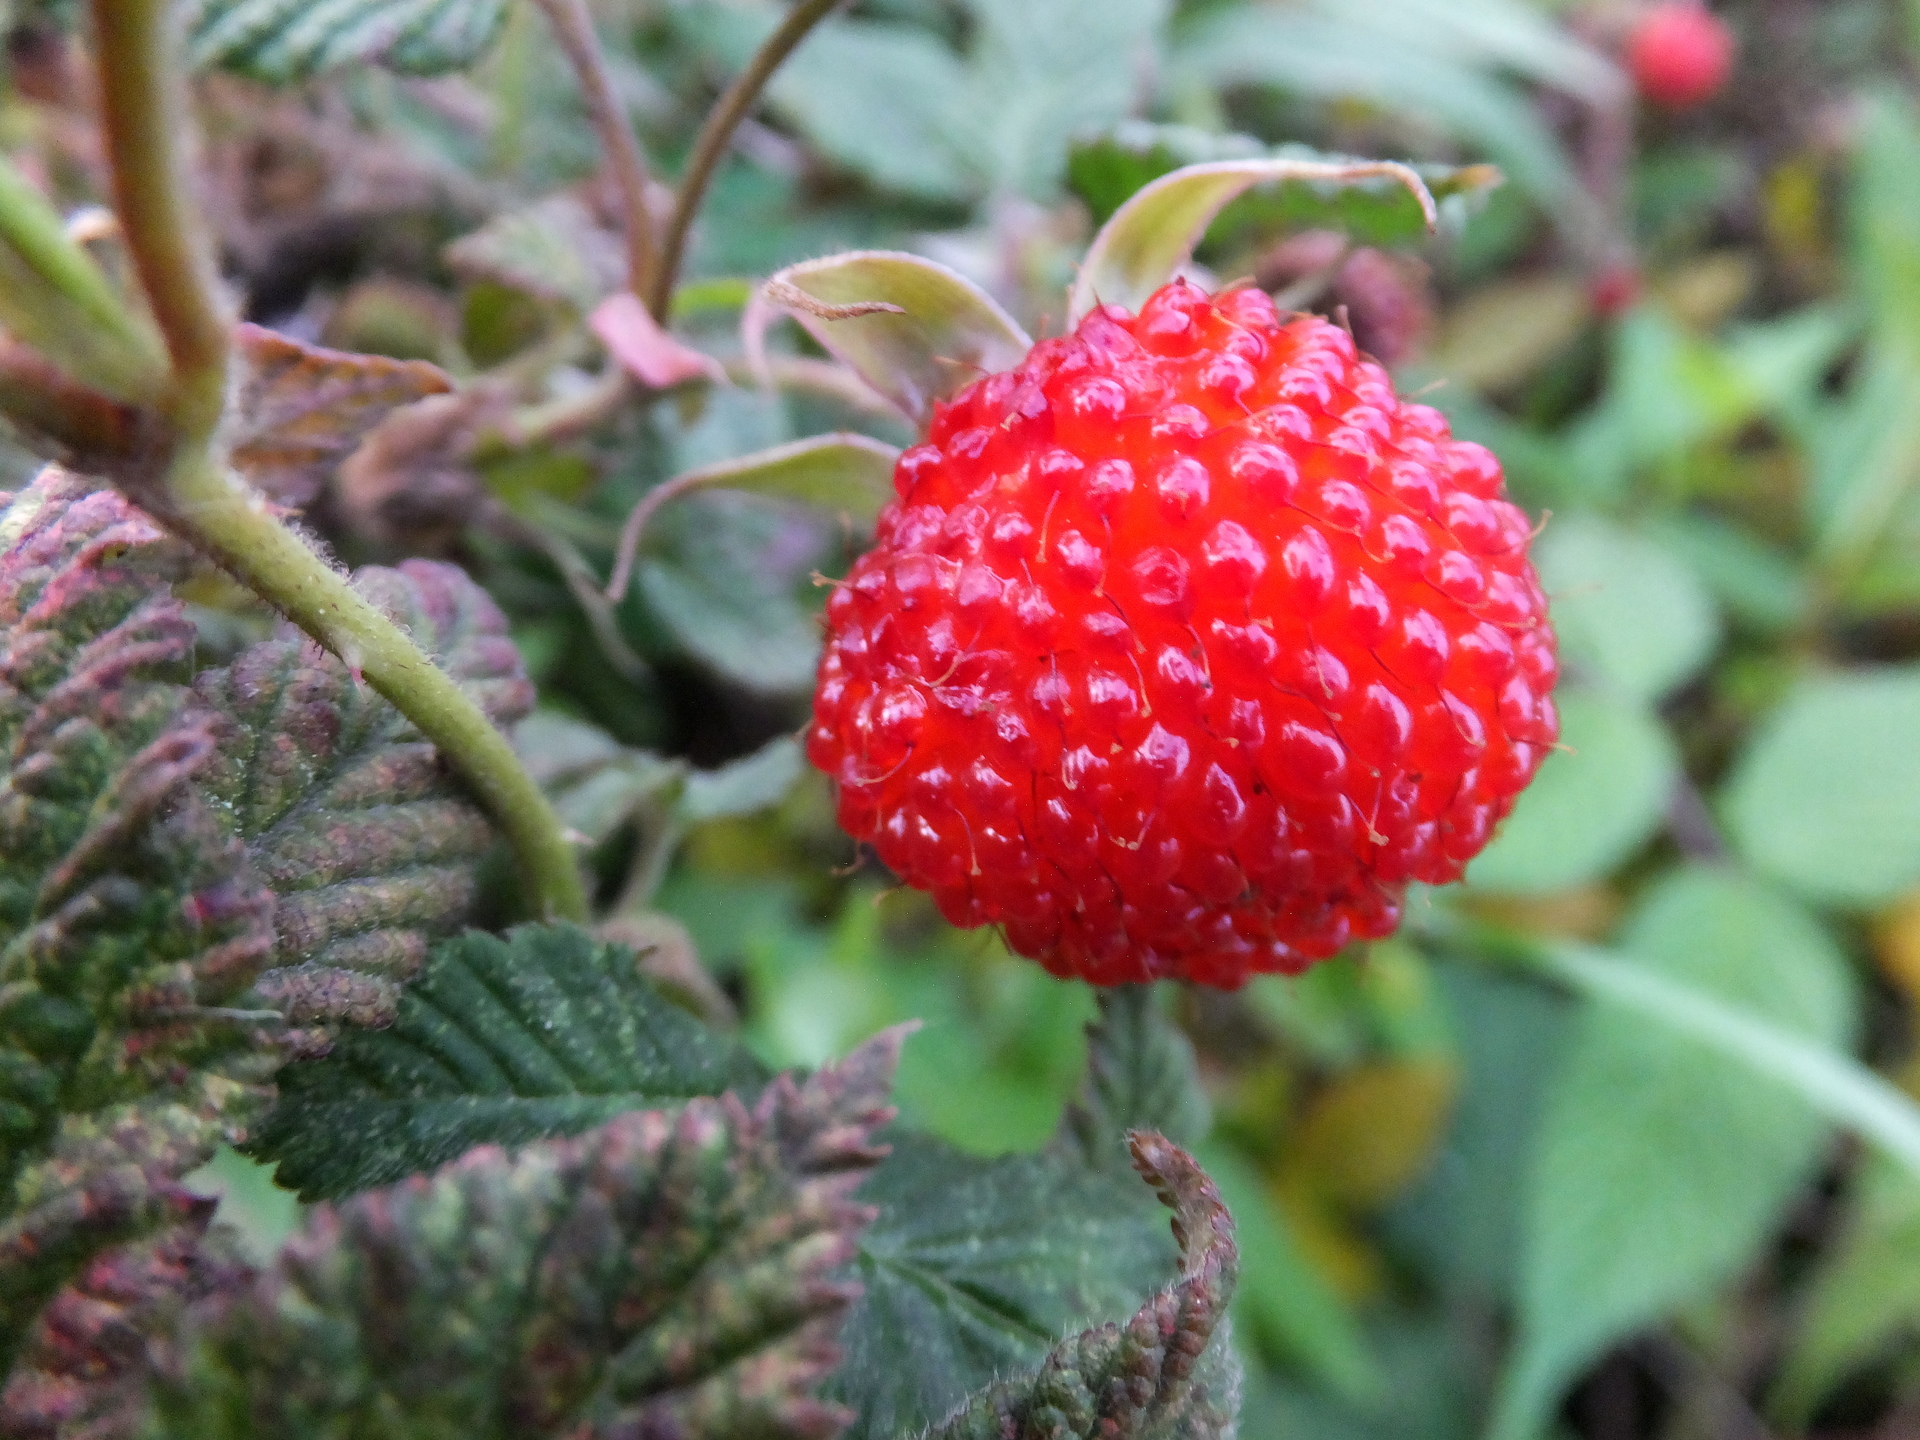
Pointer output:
x,y
201,499
216,510
573,27
711,143
142,118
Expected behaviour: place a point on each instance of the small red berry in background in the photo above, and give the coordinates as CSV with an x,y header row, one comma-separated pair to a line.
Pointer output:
x,y
1185,647
1680,54
1615,288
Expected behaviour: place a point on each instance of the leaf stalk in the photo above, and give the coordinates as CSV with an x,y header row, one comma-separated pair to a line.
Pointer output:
x,y
715,134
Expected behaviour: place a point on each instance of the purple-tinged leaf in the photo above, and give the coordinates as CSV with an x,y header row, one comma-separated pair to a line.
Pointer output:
x,y
84,1371
672,1274
130,925
346,811
303,409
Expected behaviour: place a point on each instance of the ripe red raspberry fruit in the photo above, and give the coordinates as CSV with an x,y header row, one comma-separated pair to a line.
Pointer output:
x,y
1680,54
1186,645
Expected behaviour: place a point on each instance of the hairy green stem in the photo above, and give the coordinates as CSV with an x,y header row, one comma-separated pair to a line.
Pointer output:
x,y
572,26
142,115
220,513
716,132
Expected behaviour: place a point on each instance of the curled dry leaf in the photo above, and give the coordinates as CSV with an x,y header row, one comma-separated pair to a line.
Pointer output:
x,y
302,409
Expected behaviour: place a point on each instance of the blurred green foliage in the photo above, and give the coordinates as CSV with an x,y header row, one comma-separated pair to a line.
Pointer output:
x,y
1468,1199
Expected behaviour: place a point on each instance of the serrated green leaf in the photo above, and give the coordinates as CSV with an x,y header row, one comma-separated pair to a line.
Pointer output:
x,y
499,1042
370,846
1141,1075
129,921
281,41
672,1273
973,1268
1596,800
1824,796
1661,1163
1151,236
913,330
1624,607
84,1369
1167,1374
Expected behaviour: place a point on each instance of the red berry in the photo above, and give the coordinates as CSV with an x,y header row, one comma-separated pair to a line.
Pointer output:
x,y
1615,288
1680,54
1186,645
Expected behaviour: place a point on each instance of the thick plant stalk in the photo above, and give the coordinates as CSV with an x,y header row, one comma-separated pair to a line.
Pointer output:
x,y
212,508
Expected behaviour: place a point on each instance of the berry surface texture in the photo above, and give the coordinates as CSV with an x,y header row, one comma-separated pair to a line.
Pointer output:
x,y
1185,646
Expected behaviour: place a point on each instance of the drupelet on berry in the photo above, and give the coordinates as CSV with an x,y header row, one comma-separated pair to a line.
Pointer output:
x,y
1184,648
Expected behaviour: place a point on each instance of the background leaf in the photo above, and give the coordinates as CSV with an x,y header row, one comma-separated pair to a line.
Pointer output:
x,y
1626,610
1661,1164
280,43
498,1042
1329,52
1866,1297
1824,796
1596,800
